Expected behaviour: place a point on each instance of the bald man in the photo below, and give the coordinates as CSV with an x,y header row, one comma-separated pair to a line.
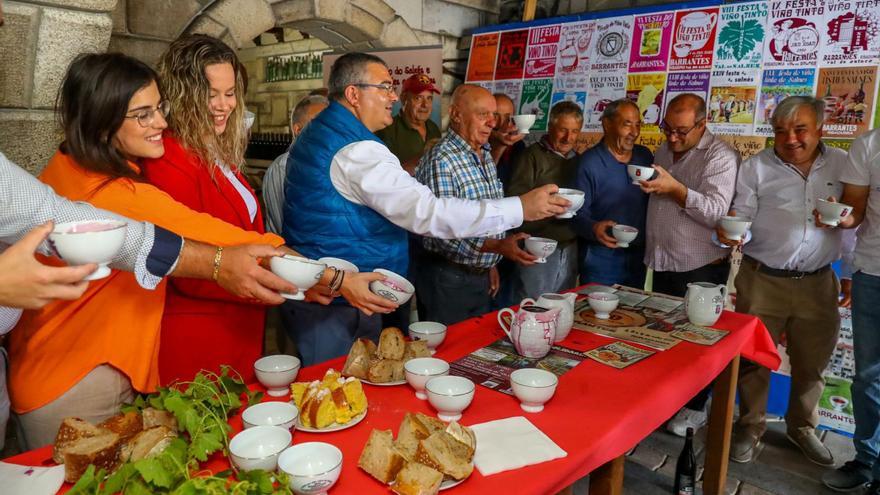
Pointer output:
x,y
458,277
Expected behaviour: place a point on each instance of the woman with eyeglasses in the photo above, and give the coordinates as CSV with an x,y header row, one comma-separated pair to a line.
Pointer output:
x,y
202,168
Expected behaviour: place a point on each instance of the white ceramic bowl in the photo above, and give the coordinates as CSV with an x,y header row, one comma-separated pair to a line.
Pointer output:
x,y
638,173
301,272
735,227
603,304
624,234
577,201
277,372
832,213
419,370
270,413
524,122
533,387
399,290
259,447
450,395
313,467
540,247
91,241
431,332
339,264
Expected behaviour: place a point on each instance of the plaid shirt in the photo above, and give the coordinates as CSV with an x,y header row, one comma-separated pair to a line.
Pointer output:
x,y
453,169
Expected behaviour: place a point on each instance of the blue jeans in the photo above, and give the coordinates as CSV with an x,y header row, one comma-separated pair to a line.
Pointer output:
x,y
866,383
557,274
326,332
602,265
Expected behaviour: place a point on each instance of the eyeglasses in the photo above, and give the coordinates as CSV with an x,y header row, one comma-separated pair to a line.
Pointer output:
x,y
664,127
386,87
146,116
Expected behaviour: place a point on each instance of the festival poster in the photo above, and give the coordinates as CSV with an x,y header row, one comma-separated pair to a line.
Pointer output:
x,y
574,55
777,85
610,45
687,82
652,37
848,93
579,97
481,64
602,90
587,140
511,88
489,85
651,140
732,110
793,33
646,90
511,54
740,44
535,99
694,40
852,33
541,51
747,146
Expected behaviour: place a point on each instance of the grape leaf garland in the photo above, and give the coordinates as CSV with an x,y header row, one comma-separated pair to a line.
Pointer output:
x,y
739,38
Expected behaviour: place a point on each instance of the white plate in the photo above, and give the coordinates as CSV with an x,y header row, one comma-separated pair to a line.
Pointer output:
x,y
386,384
334,427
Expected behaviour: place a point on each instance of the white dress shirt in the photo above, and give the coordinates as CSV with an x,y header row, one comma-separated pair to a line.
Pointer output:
x,y
780,201
367,173
863,169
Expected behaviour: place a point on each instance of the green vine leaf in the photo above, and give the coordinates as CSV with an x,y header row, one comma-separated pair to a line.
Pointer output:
x,y
738,38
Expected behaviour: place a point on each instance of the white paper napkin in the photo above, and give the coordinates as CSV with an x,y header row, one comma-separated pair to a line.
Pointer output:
x,y
512,443
30,480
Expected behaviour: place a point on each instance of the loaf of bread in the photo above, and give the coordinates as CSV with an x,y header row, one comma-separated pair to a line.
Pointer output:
x,y
101,450
380,458
71,431
156,417
392,344
416,349
125,425
417,479
444,453
414,428
147,443
359,357
386,370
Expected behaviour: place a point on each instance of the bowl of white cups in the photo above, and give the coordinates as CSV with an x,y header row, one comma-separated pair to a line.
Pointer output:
x,y
277,372
301,272
450,395
312,467
259,447
533,387
603,303
419,370
624,234
432,332
576,198
639,173
540,247
91,241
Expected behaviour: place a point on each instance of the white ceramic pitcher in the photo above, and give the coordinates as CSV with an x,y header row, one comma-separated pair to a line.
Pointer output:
x,y
704,302
532,329
565,303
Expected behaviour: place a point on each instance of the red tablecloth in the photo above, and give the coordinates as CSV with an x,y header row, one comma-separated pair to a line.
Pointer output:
x,y
597,414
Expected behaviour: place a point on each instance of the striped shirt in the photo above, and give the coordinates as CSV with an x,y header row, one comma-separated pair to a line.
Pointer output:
x,y
453,169
680,239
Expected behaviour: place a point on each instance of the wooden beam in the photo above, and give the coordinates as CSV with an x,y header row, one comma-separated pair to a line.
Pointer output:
x,y
529,10
720,427
607,479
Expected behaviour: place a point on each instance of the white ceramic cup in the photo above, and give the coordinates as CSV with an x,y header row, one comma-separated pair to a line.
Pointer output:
x,y
450,395
301,272
394,288
577,201
735,227
91,241
419,370
624,234
277,372
272,413
639,173
540,247
533,387
832,213
524,122
603,304
258,447
432,332
312,467
339,264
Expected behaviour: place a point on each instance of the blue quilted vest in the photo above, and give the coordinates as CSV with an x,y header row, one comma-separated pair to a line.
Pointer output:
x,y
318,221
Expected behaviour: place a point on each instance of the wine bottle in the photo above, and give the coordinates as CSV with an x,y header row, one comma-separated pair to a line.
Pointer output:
x,y
686,467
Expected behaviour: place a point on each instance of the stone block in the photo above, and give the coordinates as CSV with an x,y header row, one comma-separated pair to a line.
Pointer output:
x,y
427,38
29,137
63,35
18,36
161,18
454,19
409,10
119,16
399,35
245,19
147,50
360,25
206,25
287,11
93,5
330,36
484,5
378,8
331,10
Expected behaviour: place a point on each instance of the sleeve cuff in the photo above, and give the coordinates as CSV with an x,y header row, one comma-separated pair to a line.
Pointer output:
x,y
512,213
158,257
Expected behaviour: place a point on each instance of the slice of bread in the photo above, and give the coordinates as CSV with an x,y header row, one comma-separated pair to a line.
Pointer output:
x,y
414,428
147,443
379,458
417,479
71,431
385,370
464,435
416,349
359,357
392,344
156,417
125,425
444,453
101,450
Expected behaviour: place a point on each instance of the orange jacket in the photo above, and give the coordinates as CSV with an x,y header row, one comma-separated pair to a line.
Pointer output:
x,y
116,321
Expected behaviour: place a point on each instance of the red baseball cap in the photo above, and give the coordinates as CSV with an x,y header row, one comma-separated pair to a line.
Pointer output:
x,y
417,83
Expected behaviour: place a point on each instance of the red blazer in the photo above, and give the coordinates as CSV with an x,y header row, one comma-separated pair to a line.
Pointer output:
x,y
203,325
